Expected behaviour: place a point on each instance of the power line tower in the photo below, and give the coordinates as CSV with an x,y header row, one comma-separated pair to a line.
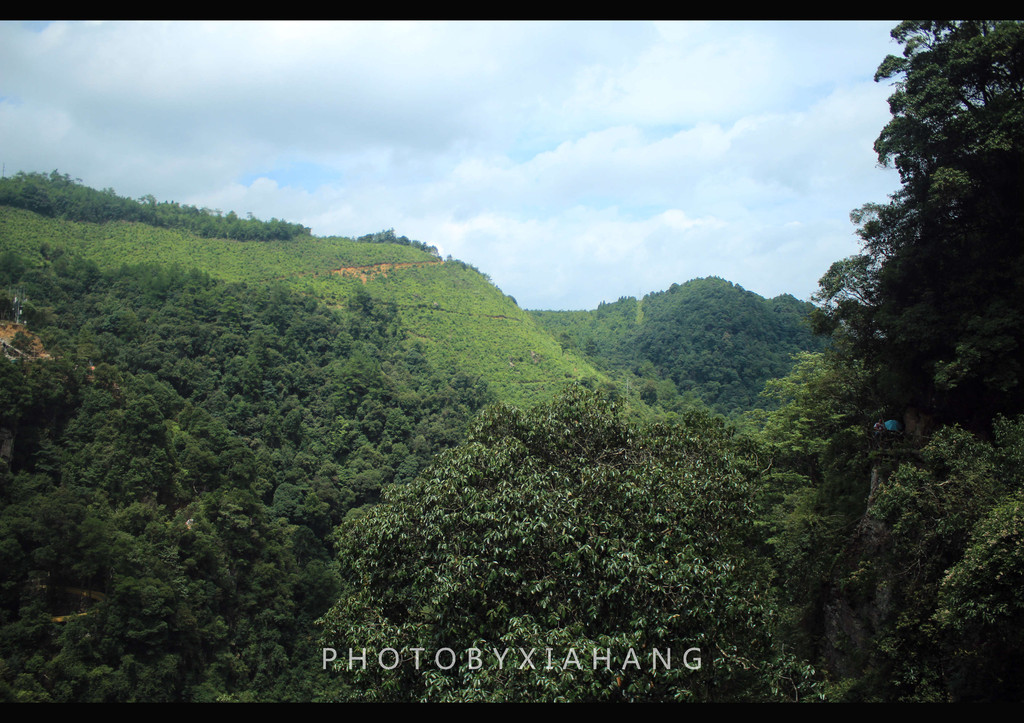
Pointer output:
x,y
13,312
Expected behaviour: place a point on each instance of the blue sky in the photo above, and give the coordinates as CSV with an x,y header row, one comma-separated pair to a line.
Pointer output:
x,y
574,163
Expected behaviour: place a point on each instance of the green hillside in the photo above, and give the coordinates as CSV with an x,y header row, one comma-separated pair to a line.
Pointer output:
x,y
186,420
110,244
181,450
705,341
706,337
463,321
227,464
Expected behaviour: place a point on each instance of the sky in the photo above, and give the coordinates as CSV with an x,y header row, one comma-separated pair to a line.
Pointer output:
x,y
573,162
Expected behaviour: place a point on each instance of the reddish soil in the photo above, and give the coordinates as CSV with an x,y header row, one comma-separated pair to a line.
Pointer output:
x,y
365,273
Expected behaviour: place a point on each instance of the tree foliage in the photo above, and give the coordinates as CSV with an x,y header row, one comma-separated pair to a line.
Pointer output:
x,y
389,237
565,528
897,557
59,196
951,630
707,339
934,298
184,458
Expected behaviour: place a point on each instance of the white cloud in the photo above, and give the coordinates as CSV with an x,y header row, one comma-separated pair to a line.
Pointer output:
x,y
572,162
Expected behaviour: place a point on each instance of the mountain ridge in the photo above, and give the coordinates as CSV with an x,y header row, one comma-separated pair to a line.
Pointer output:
x,y
465,322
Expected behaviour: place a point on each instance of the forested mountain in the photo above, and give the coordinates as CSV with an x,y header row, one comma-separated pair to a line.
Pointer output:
x,y
228,465
186,455
934,299
707,338
461,320
894,552
187,419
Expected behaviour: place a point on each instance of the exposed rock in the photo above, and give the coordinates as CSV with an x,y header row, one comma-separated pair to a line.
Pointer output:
x,y
859,599
28,346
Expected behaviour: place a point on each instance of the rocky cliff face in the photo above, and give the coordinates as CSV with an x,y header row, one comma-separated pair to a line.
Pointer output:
x,y
859,600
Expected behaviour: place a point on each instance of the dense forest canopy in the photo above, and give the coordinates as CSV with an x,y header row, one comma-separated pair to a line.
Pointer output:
x,y
934,299
224,469
186,455
60,196
567,529
899,549
176,479
707,339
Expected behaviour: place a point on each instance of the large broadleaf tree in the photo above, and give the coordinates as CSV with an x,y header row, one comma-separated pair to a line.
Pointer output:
x,y
934,299
549,557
